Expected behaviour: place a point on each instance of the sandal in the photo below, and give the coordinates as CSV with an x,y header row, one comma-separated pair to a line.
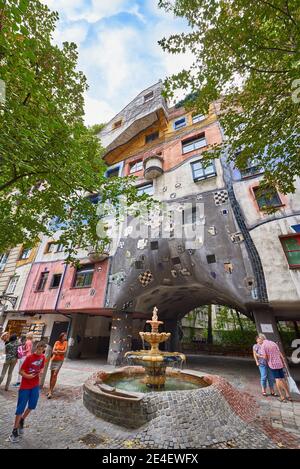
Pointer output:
x,y
274,394
289,399
49,396
282,400
264,394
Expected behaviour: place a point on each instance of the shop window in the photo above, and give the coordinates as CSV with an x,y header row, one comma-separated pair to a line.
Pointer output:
x,y
151,137
267,198
84,276
200,172
25,253
179,123
42,281
136,166
146,189
291,247
3,260
12,284
194,143
55,281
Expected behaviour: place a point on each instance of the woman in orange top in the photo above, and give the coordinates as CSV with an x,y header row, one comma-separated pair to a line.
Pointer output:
x,y
57,359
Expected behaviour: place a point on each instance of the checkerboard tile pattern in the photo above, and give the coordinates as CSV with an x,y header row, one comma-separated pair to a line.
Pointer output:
x,y
220,197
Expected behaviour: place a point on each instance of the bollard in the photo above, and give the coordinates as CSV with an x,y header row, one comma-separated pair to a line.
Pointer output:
x,y
48,354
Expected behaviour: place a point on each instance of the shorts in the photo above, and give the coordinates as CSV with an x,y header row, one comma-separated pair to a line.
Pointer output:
x,y
278,373
27,396
56,365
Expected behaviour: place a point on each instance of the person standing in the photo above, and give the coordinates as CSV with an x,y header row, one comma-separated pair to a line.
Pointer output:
x,y
266,374
58,356
28,344
21,357
11,357
271,352
29,390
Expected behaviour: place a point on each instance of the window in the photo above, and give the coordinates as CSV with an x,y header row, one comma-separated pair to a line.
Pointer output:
x,y
148,96
25,254
251,170
94,198
147,189
267,198
136,166
189,215
291,247
55,281
3,260
198,118
117,124
51,247
149,138
12,284
60,247
194,143
84,276
42,281
112,173
199,172
179,123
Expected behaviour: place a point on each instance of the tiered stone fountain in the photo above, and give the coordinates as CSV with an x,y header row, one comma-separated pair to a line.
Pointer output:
x,y
189,409
154,361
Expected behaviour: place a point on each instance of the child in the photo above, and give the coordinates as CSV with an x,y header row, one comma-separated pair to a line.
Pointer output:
x,y
29,390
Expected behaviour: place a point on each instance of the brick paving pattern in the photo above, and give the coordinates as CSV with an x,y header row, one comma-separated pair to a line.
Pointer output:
x,y
63,422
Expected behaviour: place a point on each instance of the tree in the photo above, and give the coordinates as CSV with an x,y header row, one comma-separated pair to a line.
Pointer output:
x,y
49,159
248,52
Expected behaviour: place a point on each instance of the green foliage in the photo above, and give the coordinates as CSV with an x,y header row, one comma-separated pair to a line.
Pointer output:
x,y
249,53
49,159
236,337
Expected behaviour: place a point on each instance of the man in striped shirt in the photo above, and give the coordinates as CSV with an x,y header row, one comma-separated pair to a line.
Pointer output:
x,y
270,351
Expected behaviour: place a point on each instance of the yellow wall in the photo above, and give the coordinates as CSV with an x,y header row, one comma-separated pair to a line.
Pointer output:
x,y
166,132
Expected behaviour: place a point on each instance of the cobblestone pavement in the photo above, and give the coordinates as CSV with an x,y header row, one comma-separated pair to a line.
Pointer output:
x,y
63,422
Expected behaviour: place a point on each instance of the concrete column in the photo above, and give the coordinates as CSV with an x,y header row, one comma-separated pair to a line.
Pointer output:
x,y
173,344
76,336
120,338
264,320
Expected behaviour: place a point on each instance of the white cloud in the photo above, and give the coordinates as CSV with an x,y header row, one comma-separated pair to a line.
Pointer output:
x,y
97,111
72,33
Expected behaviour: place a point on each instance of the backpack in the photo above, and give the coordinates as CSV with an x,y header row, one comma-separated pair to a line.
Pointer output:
x,y
20,352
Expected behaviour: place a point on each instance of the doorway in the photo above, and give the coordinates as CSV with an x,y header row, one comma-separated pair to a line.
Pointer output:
x,y
57,329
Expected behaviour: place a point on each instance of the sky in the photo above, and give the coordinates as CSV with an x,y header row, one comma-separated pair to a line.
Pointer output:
x,y
118,50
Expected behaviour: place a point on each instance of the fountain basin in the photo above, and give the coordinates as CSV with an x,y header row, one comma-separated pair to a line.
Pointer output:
x,y
115,399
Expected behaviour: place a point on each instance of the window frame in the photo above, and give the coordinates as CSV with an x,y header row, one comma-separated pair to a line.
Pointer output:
x,y
148,96
41,286
52,281
192,141
133,164
3,264
282,238
152,137
176,127
261,208
145,185
205,176
25,250
197,116
9,290
89,268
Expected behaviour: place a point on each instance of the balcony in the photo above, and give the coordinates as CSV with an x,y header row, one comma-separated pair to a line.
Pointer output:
x,y
153,167
99,253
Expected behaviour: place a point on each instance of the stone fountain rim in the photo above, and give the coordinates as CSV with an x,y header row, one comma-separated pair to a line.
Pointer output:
x,y
97,386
